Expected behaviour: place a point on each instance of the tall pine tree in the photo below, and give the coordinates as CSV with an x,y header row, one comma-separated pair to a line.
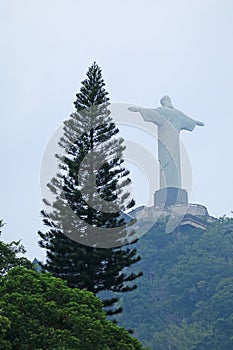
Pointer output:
x,y
90,133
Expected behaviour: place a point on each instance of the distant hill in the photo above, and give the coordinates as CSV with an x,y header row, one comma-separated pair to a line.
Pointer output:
x,y
185,298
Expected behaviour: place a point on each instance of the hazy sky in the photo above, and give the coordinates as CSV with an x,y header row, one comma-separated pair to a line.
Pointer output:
x,y
146,49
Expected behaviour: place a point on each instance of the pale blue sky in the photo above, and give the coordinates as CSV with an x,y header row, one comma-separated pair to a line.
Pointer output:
x,y
146,49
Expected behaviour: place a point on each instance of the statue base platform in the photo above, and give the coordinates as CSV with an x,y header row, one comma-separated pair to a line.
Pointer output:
x,y
170,196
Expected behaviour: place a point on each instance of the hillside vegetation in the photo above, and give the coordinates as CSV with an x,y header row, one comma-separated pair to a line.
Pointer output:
x,y
185,298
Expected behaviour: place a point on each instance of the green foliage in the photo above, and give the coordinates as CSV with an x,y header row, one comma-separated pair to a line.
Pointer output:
x,y
11,255
4,327
89,131
183,336
184,300
38,311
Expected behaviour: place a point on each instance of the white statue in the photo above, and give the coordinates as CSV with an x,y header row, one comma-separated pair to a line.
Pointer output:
x,y
170,121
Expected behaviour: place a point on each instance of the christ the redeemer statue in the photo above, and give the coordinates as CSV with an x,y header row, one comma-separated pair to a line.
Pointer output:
x,y
170,121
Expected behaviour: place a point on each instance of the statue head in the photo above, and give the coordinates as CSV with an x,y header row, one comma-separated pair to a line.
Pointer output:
x,y
166,101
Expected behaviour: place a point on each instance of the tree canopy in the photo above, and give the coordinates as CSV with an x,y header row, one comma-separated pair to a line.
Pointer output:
x,y
39,311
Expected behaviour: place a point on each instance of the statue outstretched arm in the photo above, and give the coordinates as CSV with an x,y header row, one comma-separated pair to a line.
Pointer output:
x,y
149,115
187,123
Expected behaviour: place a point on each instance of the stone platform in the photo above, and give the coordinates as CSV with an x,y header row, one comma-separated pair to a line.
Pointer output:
x,y
170,196
159,210
195,215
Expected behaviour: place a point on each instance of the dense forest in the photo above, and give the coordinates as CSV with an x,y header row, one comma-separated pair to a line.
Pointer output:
x,y
185,298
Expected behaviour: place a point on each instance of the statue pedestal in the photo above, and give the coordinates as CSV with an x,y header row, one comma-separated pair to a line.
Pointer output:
x,y
170,196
